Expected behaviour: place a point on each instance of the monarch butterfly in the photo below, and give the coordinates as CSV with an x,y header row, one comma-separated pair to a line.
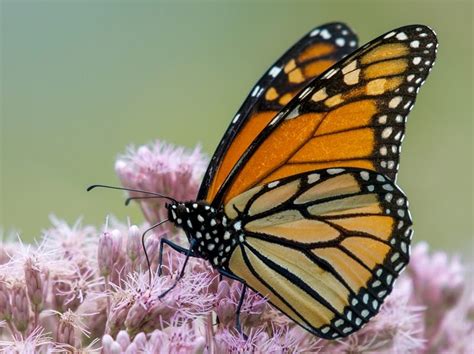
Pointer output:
x,y
299,201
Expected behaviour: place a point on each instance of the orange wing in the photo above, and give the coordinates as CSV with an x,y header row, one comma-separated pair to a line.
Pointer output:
x,y
308,58
353,116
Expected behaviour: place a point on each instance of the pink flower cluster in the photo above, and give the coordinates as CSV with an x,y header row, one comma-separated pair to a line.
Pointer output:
x,y
83,289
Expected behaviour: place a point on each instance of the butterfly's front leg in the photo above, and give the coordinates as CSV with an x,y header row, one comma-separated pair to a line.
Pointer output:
x,y
175,247
188,253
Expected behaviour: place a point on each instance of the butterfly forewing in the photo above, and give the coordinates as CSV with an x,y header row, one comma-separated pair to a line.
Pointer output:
x,y
308,58
325,247
354,115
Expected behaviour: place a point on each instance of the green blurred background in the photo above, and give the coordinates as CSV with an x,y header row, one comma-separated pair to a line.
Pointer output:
x,y
81,80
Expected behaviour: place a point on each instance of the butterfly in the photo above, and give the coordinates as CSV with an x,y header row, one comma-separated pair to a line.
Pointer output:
x,y
299,201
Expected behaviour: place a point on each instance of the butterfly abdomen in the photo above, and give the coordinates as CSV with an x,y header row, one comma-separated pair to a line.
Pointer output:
x,y
206,229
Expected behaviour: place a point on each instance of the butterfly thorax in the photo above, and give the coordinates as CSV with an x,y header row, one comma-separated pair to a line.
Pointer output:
x,y
206,229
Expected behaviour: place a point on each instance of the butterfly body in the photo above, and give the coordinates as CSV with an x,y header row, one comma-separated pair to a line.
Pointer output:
x,y
208,231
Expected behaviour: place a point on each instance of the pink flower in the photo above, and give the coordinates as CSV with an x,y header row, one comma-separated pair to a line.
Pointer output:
x,y
439,280
70,291
35,342
439,285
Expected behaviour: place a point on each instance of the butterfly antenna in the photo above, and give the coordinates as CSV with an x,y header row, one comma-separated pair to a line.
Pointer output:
x,y
144,248
128,200
156,195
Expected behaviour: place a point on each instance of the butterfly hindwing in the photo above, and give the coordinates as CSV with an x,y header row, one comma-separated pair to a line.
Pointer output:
x,y
353,115
325,246
309,57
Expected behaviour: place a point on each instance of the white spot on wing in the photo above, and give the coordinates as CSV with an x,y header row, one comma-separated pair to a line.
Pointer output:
x,y
273,184
314,177
401,36
305,92
294,113
340,42
274,120
236,118
365,175
325,34
330,73
387,132
274,71
334,171
255,91
383,119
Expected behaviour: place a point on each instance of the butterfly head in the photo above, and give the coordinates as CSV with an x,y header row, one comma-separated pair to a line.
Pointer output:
x,y
205,228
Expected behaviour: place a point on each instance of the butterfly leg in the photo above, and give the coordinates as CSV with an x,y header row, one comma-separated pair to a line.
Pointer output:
x,y
238,325
189,252
175,247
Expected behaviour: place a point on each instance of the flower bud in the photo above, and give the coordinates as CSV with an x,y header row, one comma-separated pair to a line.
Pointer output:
x,y
133,243
225,307
107,342
66,332
140,340
5,305
20,306
104,256
123,339
115,348
132,349
136,316
117,316
34,285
